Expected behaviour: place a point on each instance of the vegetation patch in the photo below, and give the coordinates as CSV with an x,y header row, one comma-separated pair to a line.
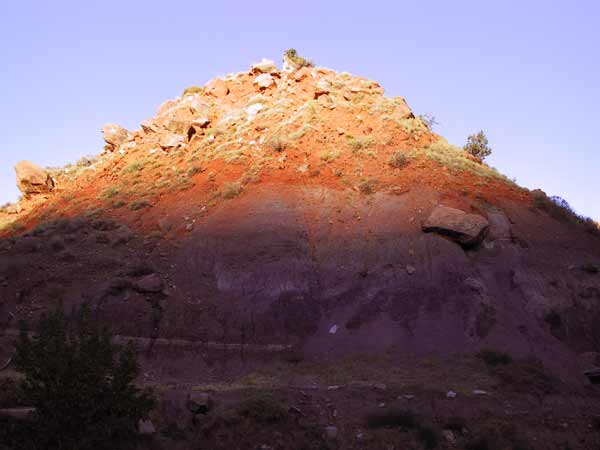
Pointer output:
x,y
367,187
494,357
136,206
109,193
81,385
276,143
558,208
329,155
231,190
133,167
457,161
360,143
406,420
398,160
192,90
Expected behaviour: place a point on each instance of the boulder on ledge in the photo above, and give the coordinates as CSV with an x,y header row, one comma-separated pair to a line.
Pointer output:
x,y
33,179
468,230
114,135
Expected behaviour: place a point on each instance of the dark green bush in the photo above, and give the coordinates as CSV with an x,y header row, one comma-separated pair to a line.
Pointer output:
x,y
262,409
477,145
81,385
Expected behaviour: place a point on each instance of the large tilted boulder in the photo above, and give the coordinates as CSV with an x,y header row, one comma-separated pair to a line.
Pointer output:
x,y
33,179
114,135
466,229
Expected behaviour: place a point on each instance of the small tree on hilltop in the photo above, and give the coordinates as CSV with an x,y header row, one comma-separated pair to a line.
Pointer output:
x,y
477,145
81,385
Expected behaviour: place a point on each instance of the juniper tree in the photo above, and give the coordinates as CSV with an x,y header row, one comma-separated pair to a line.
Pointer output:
x,y
81,384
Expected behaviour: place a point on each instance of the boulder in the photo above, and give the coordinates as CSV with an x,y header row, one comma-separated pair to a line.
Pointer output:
x,y
149,284
198,402
264,80
33,179
301,74
166,107
593,375
217,88
322,87
171,140
264,66
15,208
403,110
468,230
114,135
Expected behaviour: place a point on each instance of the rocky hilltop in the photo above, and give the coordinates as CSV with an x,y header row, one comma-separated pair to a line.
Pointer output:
x,y
303,216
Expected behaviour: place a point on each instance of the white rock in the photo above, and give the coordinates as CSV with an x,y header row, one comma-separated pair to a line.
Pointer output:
x,y
264,66
479,392
264,80
171,140
333,329
451,394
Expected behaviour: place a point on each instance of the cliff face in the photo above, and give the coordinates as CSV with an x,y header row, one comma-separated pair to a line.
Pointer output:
x,y
287,209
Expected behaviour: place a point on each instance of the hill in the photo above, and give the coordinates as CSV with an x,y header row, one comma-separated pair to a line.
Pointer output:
x,y
297,231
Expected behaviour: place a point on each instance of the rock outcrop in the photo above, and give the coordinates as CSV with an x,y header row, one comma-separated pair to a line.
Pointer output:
x,y
114,135
33,179
466,229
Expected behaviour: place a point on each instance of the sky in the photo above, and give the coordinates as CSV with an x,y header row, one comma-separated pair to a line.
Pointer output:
x,y
525,72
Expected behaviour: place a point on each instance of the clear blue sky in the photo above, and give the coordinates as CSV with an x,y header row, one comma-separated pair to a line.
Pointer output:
x,y
526,72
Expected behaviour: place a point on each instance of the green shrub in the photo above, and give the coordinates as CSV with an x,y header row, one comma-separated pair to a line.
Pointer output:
x,y
231,190
262,409
298,60
109,192
398,160
366,187
134,167
135,206
191,90
558,208
276,143
80,383
360,143
494,358
477,145
194,170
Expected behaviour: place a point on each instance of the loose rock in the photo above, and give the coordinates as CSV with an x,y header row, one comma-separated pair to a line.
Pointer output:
x,y
466,229
114,135
33,179
198,402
